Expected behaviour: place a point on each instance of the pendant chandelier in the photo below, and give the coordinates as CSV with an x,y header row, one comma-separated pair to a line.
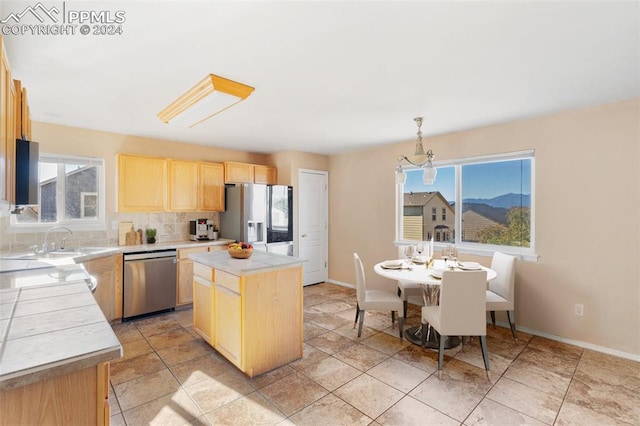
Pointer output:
x,y
418,159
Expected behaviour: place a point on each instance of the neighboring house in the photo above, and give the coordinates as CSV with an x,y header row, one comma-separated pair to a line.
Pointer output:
x,y
427,215
81,195
476,217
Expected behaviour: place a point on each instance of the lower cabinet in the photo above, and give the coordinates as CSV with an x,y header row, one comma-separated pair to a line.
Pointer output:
x,y
108,273
227,321
77,398
203,308
185,271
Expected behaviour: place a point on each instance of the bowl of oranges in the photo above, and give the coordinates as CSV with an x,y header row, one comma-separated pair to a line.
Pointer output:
x,y
240,250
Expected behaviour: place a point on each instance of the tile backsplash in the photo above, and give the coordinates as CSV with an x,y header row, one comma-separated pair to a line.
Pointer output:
x,y
170,227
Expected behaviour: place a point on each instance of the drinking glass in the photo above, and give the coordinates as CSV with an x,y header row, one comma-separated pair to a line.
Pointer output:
x,y
453,255
408,252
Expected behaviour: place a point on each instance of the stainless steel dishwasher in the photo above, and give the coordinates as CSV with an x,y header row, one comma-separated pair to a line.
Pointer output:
x,y
149,284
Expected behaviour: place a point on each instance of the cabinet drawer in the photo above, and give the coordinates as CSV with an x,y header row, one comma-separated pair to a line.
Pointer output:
x,y
225,279
184,253
202,271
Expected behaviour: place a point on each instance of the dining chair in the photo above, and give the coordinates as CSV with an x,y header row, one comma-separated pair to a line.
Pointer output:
x,y
410,292
461,311
500,294
374,300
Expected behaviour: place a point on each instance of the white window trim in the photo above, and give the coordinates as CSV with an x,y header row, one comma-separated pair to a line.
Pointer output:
x,y
523,253
97,224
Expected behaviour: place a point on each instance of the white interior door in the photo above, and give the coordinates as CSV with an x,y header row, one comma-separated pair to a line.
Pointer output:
x,y
313,236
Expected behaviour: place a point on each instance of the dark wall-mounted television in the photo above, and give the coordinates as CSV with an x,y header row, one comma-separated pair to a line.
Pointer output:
x,y
27,158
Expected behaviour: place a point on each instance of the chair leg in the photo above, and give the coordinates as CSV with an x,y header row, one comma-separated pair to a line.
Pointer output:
x,y
393,318
400,325
493,317
424,335
361,322
440,355
512,324
405,305
485,355
357,312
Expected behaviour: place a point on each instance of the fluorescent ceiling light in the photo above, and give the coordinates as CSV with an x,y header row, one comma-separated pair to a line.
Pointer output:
x,y
209,97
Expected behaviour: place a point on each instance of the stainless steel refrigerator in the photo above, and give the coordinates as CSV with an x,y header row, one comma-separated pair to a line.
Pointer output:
x,y
261,215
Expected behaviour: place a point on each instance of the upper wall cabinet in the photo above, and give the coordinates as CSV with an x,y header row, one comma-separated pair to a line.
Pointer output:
x,y
23,113
8,104
142,183
196,186
183,184
249,173
211,187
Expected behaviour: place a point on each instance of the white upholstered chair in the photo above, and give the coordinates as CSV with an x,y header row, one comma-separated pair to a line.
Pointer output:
x,y
410,292
461,311
374,300
500,295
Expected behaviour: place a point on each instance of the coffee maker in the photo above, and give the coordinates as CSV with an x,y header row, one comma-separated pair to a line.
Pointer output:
x,y
198,229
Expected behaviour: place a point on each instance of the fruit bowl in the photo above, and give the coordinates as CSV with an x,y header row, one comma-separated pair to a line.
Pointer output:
x,y
240,251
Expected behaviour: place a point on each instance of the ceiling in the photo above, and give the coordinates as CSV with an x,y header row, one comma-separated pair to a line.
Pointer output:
x,y
330,76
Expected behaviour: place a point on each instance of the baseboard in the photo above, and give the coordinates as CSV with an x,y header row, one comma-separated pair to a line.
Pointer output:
x,y
597,348
579,343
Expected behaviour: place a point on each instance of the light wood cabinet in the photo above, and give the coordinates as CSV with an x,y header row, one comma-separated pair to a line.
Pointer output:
x,y
211,187
256,319
8,99
108,273
22,112
183,185
185,271
249,173
185,275
265,174
77,398
203,303
227,318
142,183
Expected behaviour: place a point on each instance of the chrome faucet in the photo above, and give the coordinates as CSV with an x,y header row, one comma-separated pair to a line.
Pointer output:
x,y
45,248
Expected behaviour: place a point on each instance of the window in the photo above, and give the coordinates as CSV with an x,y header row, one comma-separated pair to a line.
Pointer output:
x,y
71,191
485,202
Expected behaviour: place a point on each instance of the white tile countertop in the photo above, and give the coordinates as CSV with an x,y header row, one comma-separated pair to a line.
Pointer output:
x,y
21,261
50,324
260,261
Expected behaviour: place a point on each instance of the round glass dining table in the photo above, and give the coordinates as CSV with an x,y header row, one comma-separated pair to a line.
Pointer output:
x,y
428,280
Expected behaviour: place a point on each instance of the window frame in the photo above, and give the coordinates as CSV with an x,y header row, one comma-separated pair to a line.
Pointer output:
x,y
523,253
98,223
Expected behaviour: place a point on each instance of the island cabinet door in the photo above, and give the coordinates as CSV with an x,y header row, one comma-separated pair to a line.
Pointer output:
x,y
202,308
228,318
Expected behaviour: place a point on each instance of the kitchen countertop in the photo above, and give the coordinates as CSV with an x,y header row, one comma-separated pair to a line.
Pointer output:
x,y
260,261
50,324
21,261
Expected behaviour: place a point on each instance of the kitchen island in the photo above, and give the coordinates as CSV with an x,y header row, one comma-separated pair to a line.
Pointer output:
x,y
249,310
55,348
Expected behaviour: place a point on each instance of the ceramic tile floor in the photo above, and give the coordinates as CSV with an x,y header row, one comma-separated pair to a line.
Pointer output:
x,y
169,376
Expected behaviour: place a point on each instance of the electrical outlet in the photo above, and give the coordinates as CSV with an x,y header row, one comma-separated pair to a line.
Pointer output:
x,y
578,309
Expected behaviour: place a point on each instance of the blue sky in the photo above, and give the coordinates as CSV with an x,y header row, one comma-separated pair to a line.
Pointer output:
x,y
485,180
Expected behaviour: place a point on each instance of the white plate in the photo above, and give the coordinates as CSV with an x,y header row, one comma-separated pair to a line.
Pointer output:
x,y
469,266
392,264
419,260
437,273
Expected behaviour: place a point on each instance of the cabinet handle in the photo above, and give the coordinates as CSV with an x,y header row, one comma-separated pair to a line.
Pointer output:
x,y
303,235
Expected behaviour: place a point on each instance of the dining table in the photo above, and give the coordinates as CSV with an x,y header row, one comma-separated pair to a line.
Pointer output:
x,y
429,277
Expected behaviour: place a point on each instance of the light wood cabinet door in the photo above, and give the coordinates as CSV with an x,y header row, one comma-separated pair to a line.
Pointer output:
x,y
211,188
104,271
183,185
142,183
228,324
238,172
265,174
7,127
203,305
185,275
